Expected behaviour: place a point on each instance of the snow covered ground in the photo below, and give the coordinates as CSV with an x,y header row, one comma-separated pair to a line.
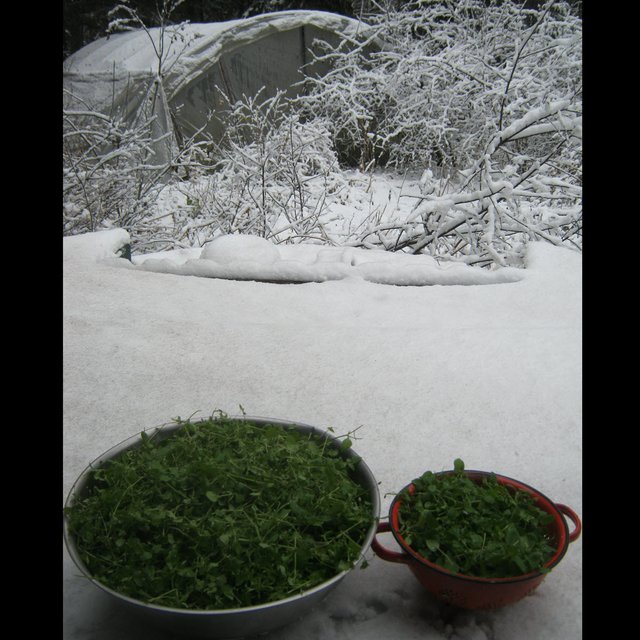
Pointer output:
x,y
489,372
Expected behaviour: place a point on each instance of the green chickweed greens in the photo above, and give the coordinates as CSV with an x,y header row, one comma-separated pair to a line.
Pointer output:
x,y
222,514
483,530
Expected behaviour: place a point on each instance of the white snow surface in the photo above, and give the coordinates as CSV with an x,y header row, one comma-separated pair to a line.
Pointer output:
x,y
490,374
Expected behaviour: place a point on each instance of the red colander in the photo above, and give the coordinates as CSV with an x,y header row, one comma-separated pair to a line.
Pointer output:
x,y
471,592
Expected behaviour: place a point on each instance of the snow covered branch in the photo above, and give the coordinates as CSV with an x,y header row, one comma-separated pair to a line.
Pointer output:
x,y
485,95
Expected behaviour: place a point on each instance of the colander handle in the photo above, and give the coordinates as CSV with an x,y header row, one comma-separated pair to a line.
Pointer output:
x,y
573,516
383,552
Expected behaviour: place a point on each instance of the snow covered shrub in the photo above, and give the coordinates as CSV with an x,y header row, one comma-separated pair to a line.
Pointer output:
x,y
483,93
490,210
264,177
107,176
447,77
114,172
114,165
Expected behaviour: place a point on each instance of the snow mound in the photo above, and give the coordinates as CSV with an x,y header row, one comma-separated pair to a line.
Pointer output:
x,y
247,257
95,246
231,249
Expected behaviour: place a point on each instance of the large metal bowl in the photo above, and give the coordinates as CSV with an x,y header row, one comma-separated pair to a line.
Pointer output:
x,y
226,623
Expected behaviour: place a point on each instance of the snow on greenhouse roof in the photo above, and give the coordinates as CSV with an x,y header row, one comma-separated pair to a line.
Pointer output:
x,y
133,52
